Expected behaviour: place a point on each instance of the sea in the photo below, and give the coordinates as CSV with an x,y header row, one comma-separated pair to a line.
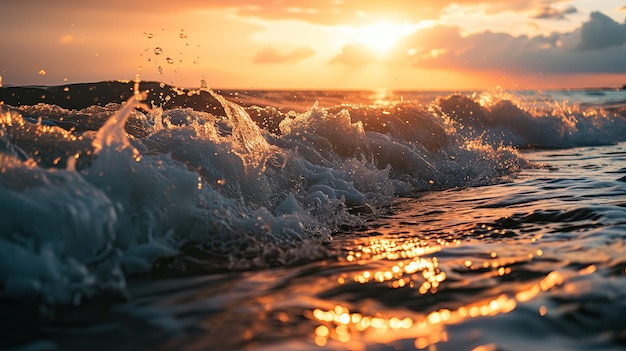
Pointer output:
x,y
144,216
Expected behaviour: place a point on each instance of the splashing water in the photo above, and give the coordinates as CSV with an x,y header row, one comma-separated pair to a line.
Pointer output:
x,y
111,135
104,200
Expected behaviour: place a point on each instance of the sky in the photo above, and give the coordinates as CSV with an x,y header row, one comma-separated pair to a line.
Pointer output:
x,y
317,44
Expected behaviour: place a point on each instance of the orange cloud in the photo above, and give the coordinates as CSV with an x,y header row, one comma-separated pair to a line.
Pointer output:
x,y
357,12
66,39
69,39
271,55
314,11
355,55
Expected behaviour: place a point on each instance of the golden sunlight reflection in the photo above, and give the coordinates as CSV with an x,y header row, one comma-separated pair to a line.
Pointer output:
x,y
343,325
405,274
411,263
378,249
383,98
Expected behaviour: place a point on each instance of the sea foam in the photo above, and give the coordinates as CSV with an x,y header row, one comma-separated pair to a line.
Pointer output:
x,y
95,195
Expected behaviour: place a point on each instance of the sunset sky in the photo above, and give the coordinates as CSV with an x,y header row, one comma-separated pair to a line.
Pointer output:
x,y
317,44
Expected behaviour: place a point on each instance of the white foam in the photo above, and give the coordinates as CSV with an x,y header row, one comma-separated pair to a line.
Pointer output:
x,y
234,190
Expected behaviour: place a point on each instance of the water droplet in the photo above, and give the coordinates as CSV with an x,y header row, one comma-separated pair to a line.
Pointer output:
x,y
162,85
169,60
148,35
158,50
42,72
160,70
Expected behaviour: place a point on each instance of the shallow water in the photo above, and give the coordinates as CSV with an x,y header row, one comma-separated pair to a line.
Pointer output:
x,y
535,263
388,227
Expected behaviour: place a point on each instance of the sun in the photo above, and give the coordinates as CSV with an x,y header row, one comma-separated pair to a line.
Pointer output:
x,y
381,36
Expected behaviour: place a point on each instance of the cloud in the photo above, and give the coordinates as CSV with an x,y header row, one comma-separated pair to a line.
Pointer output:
x,y
70,39
332,12
548,12
355,55
596,47
67,39
329,12
271,55
601,32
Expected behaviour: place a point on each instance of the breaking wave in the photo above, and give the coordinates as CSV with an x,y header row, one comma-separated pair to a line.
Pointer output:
x,y
94,190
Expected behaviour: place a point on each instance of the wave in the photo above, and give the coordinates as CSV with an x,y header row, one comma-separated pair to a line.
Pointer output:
x,y
525,125
94,190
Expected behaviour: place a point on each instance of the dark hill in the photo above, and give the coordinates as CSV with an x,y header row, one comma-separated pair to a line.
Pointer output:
x,y
83,95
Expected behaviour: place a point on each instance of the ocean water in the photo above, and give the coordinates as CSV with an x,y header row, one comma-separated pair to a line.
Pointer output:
x,y
140,216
